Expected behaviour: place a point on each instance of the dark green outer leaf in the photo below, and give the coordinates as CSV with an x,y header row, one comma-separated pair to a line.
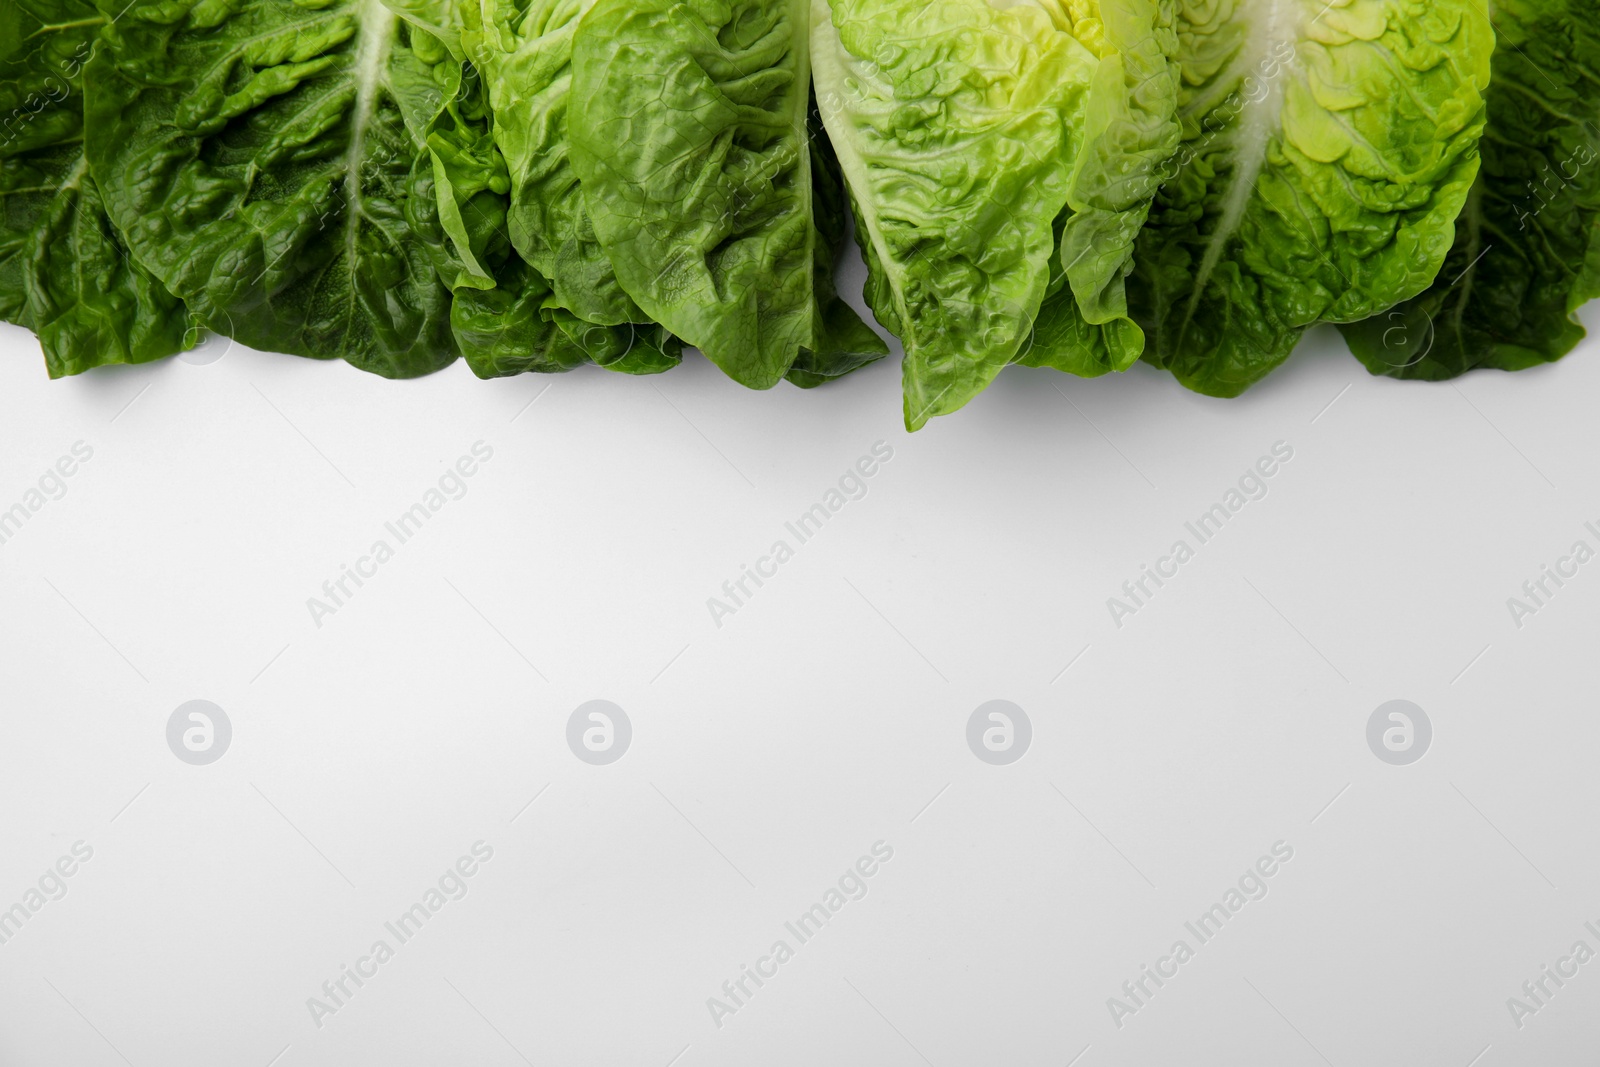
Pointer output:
x,y
64,271
1527,247
458,184
503,331
502,314
257,158
457,208
525,51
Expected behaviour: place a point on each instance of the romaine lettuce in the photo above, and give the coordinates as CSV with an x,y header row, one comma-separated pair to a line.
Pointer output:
x,y
543,184
842,343
1131,132
257,158
957,126
457,207
504,314
1328,146
64,271
559,298
688,129
525,53
1527,245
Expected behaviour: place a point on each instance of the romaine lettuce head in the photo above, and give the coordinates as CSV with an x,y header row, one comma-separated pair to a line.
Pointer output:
x,y
687,127
258,157
455,204
459,197
842,342
1131,132
526,51
504,315
64,271
444,20
1327,149
957,126
1527,245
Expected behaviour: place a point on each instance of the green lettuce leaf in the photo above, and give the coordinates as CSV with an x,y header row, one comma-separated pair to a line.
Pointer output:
x,y
443,20
1131,132
510,320
687,128
457,208
528,50
257,156
1527,245
504,330
458,183
518,317
525,52
1328,148
843,343
957,127
64,271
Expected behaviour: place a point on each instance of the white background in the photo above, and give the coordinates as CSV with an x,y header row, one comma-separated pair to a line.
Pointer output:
x,y
827,714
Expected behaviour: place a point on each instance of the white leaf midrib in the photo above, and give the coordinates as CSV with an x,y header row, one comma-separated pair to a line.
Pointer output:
x,y
1276,22
370,74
